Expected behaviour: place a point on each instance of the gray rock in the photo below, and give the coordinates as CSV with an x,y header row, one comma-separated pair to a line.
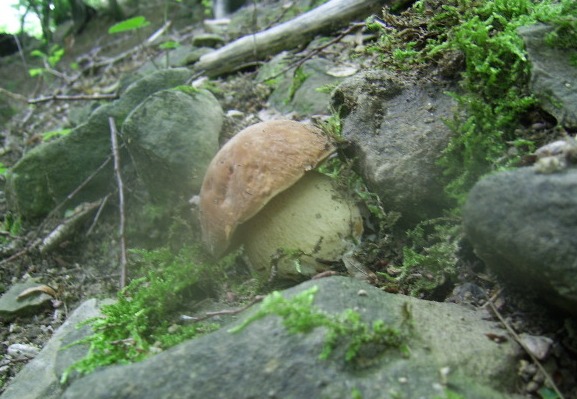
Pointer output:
x,y
305,93
264,360
397,133
182,55
172,136
207,40
553,75
11,306
46,175
40,379
522,224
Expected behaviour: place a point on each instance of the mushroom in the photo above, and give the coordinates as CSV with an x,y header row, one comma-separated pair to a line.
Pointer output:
x,y
260,190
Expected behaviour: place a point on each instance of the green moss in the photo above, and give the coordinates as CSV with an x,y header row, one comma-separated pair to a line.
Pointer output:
x,y
191,91
144,319
299,77
476,41
299,316
429,258
494,76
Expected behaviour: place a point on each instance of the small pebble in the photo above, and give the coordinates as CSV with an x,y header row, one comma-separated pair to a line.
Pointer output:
x,y
22,351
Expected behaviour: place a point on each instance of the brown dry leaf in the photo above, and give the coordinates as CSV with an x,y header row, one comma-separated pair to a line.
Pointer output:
x,y
46,289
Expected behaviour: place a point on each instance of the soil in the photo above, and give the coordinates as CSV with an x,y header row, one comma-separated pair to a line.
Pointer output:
x,y
85,265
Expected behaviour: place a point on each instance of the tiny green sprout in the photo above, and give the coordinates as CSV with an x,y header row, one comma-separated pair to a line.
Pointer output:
x,y
190,90
129,25
299,77
169,45
449,394
55,133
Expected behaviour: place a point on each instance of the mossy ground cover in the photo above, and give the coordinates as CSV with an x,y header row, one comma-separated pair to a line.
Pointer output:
x,y
477,43
145,318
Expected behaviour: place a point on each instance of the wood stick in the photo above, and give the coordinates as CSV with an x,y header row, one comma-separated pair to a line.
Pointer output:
x,y
296,32
116,156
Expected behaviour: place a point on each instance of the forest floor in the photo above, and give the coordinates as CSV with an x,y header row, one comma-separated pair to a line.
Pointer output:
x,y
84,266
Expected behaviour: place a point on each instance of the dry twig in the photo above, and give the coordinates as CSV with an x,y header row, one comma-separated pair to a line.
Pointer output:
x,y
225,312
80,97
116,156
525,348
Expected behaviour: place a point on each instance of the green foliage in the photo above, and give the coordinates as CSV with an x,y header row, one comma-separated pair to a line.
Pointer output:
x,y
547,393
55,133
3,169
130,24
51,59
207,5
190,90
299,77
300,317
449,394
356,393
138,324
495,75
11,225
169,45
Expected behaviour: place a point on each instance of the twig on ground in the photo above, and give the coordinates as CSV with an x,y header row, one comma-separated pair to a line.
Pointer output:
x,y
116,156
97,216
68,226
315,51
225,312
13,96
79,97
525,348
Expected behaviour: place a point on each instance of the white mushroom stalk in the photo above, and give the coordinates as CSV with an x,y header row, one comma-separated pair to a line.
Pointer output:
x,y
260,191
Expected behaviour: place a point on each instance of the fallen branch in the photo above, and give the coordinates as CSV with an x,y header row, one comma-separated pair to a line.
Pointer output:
x,y
116,157
327,17
68,226
79,97
13,96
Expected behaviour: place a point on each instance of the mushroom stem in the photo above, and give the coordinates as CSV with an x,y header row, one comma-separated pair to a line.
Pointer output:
x,y
302,230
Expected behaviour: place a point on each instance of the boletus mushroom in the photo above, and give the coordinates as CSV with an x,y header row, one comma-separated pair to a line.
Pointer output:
x,y
261,191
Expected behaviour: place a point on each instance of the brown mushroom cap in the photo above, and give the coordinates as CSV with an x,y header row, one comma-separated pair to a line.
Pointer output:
x,y
254,166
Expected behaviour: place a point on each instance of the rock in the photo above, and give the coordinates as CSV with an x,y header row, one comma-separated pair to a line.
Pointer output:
x,y
522,224
11,306
172,136
40,378
264,360
207,40
47,174
22,351
553,74
301,93
398,134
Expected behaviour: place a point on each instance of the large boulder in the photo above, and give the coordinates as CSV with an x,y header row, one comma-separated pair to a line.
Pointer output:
x,y
172,136
47,174
448,344
522,224
397,132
